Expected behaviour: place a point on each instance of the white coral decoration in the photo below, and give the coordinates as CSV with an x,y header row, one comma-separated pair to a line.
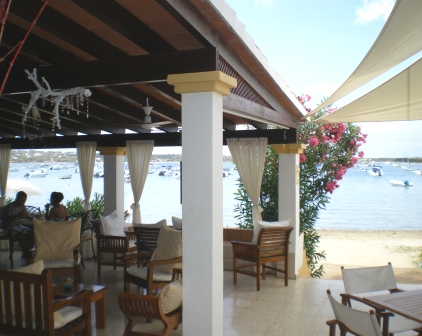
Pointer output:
x,y
57,99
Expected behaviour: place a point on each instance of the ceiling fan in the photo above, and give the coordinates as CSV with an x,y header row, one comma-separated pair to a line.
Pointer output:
x,y
147,124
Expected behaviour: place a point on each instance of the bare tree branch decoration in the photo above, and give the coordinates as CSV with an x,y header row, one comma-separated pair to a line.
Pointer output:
x,y
63,100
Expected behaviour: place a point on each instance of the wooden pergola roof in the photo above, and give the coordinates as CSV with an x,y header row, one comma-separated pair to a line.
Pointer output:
x,y
123,51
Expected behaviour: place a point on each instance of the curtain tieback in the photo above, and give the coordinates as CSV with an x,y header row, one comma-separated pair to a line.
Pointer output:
x,y
134,206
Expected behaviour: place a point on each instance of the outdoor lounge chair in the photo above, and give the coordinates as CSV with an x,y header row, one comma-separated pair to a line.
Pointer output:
x,y
272,246
351,320
379,280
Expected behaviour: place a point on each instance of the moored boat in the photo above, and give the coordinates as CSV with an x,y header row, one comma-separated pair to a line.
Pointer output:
x,y
398,183
376,171
65,177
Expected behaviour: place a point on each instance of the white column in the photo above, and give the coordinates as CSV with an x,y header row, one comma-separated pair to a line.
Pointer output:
x,y
202,194
114,180
289,200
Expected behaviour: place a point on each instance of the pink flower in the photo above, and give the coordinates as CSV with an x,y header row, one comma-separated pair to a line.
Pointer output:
x,y
302,158
361,154
352,142
330,110
313,141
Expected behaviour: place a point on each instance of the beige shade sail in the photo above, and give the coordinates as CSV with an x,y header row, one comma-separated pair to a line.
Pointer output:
x,y
400,38
398,99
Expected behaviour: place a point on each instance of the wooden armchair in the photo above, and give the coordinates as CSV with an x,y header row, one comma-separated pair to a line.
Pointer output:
x,y
158,267
115,245
29,309
137,307
146,242
272,246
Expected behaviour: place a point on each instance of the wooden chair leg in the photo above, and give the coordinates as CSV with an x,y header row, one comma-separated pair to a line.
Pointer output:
x,y
258,277
99,264
286,274
234,271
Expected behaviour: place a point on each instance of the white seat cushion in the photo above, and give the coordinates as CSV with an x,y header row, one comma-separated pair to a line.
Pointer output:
x,y
159,224
169,246
58,263
142,273
66,315
177,223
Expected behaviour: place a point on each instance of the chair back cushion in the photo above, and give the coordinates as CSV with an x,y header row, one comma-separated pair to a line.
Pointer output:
x,y
112,225
159,224
360,322
177,223
171,296
262,224
56,240
368,279
169,246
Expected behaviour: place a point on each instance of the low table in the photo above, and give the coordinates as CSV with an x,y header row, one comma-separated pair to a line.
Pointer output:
x,y
98,297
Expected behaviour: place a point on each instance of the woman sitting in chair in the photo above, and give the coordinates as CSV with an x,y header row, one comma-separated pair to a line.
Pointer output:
x,y
54,210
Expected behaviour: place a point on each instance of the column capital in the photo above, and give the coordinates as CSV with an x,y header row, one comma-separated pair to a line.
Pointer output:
x,y
295,148
112,150
210,81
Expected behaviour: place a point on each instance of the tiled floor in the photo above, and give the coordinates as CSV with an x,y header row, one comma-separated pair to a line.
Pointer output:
x,y
299,309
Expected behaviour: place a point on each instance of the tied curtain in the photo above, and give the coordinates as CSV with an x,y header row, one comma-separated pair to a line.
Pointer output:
x,y
249,156
4,171
138,157
86,157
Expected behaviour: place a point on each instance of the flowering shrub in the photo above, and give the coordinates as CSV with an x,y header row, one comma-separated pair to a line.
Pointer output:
x,y
331,150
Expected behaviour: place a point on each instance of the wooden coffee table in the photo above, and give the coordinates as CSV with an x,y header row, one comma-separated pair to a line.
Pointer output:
x,y
98,297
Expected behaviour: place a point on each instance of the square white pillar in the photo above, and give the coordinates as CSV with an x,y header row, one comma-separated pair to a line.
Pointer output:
x,y
289,205
114,184
202,213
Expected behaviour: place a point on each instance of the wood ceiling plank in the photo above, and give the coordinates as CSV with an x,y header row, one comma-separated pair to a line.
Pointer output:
x,y
118,18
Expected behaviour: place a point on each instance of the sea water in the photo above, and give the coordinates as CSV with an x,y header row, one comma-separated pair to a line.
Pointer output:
x,y
363,202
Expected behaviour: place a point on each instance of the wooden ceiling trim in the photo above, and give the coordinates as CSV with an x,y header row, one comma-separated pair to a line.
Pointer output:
x,y
127,25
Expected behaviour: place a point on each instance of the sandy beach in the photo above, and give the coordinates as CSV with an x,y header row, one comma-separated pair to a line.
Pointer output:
x,y
372,248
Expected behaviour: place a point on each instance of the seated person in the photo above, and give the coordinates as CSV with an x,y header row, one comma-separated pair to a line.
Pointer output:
x,y
13,212
54,210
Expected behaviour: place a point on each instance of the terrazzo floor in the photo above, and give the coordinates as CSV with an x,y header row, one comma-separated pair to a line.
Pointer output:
x,y
302,308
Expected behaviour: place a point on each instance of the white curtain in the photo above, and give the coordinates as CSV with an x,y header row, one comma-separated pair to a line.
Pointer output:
x,y
249,156
86,157
138,157
4,171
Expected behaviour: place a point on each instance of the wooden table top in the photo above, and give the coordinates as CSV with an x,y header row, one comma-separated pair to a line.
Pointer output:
x,y
407,304
60,291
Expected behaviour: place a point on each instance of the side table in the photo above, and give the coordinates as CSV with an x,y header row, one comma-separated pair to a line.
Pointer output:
x,y
98,297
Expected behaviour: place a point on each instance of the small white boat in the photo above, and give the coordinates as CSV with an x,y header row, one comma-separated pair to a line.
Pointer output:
x,y
56,167
404,183
417,172
166,171
65,177
176,175
376,171
13,169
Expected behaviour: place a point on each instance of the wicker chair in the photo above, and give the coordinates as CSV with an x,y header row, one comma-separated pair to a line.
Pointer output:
x,y
5,234
87,229
272,246
36,296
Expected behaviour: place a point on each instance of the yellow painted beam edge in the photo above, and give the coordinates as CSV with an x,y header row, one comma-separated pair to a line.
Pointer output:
x,y
211,81
289,148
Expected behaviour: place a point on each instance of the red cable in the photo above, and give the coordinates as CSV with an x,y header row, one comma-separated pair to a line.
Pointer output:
x,y
21,45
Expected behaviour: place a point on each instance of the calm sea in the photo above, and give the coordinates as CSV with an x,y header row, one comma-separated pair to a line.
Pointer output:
x,y
363,202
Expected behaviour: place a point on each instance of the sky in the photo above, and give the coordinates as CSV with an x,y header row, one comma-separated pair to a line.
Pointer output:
x,y
314,45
